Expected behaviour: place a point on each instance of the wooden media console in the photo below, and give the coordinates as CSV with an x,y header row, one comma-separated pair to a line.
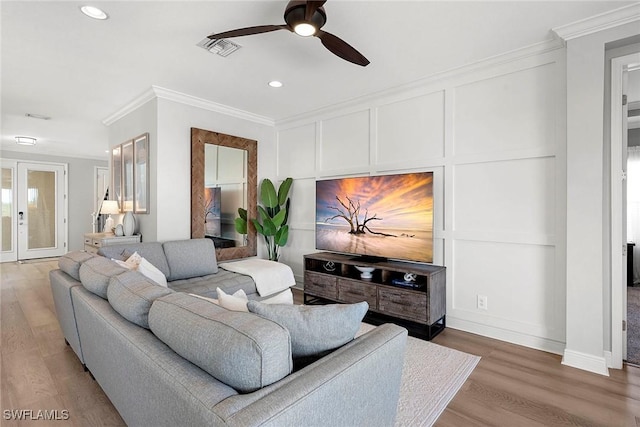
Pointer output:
x,y
411,295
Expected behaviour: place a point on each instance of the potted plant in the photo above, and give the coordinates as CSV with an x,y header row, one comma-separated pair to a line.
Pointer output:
x,y
272,216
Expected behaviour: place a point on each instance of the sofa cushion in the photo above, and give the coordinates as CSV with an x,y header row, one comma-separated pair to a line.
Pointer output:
x,y
96,272
314,329
70,262
190,258
152,251
131,294
242,350
207,285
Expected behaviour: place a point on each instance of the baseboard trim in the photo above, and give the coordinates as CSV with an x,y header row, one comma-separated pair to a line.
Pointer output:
x,y
538,343
586,362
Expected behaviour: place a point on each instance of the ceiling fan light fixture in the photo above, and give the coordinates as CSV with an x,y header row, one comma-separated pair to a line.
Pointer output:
x,y
305,29
94,12
25,140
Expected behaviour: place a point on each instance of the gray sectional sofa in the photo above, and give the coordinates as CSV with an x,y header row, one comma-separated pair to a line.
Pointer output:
x,y
167,358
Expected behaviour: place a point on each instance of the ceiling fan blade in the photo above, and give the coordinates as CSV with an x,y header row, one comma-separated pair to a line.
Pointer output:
x,y
311,8
341,48
247,31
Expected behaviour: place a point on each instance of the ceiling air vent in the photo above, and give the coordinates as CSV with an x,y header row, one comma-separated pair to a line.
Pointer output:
x,y
220,47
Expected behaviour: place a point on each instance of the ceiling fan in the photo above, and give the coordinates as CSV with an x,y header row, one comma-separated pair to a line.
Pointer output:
x,y
304,18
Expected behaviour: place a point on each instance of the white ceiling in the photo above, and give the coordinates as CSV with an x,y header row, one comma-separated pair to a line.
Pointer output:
x,y
57,62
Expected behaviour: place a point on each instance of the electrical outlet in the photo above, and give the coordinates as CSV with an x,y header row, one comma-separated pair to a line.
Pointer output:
x,y
482,302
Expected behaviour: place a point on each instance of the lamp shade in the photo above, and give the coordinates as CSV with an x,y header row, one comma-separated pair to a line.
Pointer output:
x,y
110,207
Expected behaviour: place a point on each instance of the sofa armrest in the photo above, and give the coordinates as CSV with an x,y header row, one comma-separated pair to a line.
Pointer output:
x,y
61,285
358,384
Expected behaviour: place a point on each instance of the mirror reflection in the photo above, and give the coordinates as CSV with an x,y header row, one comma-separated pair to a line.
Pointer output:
x,y
225,182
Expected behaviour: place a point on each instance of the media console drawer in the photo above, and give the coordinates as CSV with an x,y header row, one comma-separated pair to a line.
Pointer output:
x,y
320,285
352,291
403,304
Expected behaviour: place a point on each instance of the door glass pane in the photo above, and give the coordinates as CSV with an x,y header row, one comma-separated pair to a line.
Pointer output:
x,y
41,209
7,209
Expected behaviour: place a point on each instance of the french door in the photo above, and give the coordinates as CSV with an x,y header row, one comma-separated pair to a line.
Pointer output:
x,y
34,217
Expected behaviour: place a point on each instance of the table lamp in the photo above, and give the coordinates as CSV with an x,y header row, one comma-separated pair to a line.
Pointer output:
x,y
109,207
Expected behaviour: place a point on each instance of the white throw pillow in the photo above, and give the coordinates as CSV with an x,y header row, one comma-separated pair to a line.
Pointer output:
x,y
285,297
134,261
236,302
151,272
123,264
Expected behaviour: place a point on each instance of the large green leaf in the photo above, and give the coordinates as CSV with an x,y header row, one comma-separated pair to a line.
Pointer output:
x,y
242,213
263,213
283,191
282,235
268,194
279,218
286,209
241,225
257,225
268,227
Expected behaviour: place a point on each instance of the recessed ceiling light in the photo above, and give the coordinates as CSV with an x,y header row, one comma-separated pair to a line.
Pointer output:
x,y
94,12
275,83
25,140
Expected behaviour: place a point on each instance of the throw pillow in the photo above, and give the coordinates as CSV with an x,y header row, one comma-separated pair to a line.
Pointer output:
x,y
314,329
134,260
235,302
122,264
151,272
140,264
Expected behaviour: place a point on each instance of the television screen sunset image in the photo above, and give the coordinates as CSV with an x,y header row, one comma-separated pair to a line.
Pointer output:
x,y
388,216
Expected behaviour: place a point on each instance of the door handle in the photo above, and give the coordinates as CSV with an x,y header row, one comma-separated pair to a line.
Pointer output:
x,y
21,217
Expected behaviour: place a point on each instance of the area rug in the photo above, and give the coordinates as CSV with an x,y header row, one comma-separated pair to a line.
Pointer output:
x,y
431,377
633,325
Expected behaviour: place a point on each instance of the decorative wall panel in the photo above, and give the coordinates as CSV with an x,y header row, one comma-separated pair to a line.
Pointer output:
x,y
297,152
411,130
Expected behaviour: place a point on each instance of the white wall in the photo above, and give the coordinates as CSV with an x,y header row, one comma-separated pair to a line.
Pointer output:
x,y
141,120
80,176
175,121
494,138
588,284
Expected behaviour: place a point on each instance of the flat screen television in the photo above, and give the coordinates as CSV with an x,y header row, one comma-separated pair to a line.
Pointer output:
x,y
377,217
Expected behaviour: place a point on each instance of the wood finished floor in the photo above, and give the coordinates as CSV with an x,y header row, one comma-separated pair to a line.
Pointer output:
x,y
511,386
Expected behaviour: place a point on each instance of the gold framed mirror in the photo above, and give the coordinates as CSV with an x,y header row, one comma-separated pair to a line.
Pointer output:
x,y
223,179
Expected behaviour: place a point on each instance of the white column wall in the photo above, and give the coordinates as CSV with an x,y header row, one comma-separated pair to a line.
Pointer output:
x,y
588,283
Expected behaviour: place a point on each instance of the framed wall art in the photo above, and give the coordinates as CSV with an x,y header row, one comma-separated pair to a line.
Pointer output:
x,y
130,174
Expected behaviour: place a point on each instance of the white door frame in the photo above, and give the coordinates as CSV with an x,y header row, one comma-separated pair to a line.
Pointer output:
x,y
64,235
12,255
619,66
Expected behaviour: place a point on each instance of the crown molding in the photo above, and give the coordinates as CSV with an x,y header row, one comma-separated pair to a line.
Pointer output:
x,y
132,105
182,98
603,21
